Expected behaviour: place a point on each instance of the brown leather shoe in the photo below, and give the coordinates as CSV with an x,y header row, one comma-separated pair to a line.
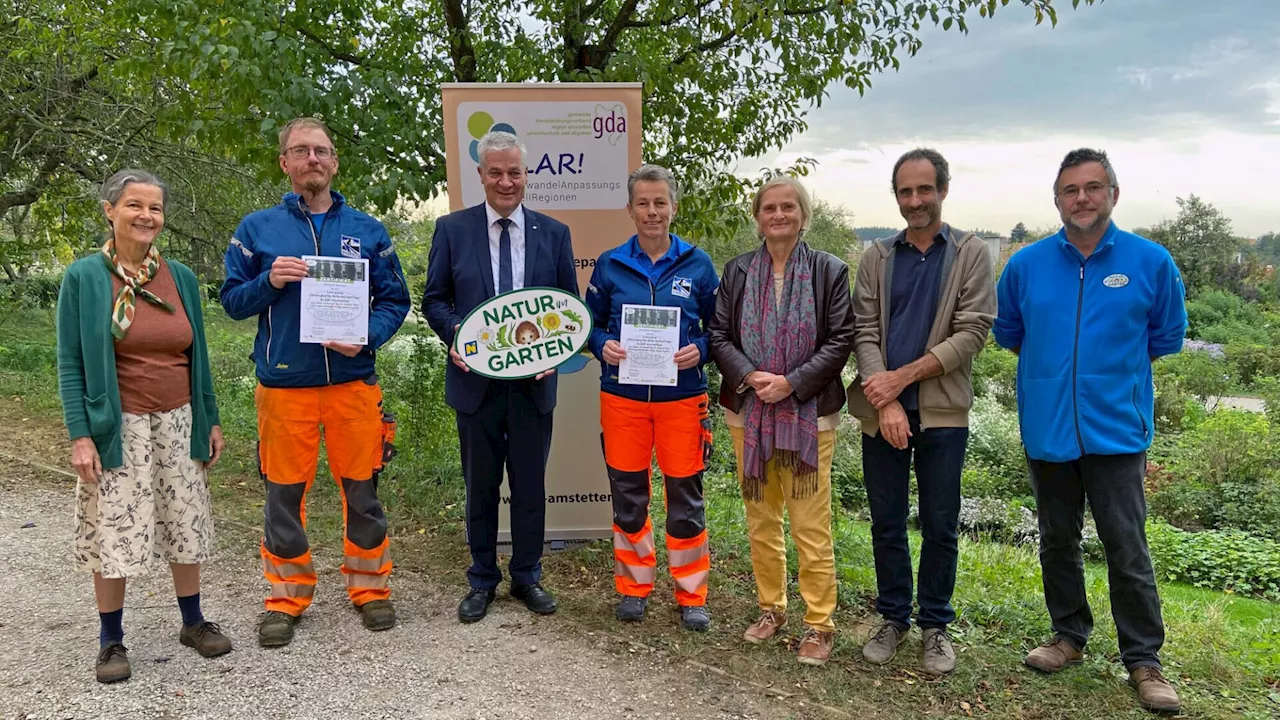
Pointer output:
x,y
1053,656
766,627
206,638
815,648
113,664
1154,692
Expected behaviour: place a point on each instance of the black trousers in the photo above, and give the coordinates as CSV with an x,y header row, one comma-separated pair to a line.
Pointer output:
x,y
507,431
1113,485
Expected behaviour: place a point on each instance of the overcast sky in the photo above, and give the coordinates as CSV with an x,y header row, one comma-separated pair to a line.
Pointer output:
x,y
1184,95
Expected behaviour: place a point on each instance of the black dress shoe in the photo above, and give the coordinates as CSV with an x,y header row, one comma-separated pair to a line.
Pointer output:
x,y
535,598
475,605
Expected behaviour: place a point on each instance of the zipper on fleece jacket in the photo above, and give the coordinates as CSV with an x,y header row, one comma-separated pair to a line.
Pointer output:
x,y
1075,361
324,351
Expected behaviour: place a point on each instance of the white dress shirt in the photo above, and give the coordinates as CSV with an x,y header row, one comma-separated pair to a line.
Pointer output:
x,y
517,245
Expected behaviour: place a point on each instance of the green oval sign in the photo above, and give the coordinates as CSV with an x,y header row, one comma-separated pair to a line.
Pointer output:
x,y
522,333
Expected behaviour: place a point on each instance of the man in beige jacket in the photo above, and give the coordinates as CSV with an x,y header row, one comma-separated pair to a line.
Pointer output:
x,y
923,303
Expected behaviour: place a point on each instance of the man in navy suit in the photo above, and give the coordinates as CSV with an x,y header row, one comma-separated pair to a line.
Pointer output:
x,y
478,253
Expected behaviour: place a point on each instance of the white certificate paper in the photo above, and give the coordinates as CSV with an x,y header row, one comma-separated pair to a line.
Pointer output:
x,y
335,300
651,336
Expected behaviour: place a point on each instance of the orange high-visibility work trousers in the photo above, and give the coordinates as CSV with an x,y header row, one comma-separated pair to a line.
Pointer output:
x,y
289,422
679,430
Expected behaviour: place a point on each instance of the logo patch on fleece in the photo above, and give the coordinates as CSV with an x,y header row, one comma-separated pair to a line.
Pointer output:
x,y
350,246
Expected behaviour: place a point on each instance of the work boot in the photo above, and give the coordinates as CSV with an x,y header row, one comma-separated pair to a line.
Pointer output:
x,y
276,629
378,615
631,609
768,625
1154,692
815,648
1053,656
884,642
113,663
206,638
939,655
695,618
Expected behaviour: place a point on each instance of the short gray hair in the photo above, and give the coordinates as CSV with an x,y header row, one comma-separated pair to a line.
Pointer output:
x,y
652,173
497,140
802,197
1080,156
114,187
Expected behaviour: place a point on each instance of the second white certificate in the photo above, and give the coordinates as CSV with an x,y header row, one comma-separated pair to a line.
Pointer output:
x,y
651,336
335,300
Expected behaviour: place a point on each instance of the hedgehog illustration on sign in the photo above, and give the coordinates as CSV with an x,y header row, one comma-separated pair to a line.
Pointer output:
x,y
526,333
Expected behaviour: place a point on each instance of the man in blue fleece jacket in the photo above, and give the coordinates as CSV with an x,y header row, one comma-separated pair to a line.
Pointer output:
x,y
1087,310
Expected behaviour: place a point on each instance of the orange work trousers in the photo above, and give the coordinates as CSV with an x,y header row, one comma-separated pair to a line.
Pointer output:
x,y
679,430
289,427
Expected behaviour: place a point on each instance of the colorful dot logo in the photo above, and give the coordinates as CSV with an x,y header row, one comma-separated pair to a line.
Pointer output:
x,y
478,125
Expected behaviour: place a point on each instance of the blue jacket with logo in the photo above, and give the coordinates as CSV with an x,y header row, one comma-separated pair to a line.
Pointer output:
x,y
689,283
1086,331
287,230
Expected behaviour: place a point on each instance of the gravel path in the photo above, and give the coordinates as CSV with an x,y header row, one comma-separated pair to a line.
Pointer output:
x,y
512,665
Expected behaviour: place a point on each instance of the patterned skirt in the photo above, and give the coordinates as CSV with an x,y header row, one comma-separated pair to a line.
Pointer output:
x,y
154,507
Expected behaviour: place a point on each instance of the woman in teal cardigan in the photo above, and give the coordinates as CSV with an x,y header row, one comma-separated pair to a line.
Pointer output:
x,y
137,397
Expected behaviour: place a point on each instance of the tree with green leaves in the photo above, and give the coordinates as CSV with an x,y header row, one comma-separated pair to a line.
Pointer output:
x,y
722,79
1019,233
1201,242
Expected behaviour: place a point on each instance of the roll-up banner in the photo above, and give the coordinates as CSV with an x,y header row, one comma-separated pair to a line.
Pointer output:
x,y
583,141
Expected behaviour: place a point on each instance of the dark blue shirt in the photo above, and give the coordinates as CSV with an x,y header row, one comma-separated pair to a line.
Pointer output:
x,y
913,303
655,269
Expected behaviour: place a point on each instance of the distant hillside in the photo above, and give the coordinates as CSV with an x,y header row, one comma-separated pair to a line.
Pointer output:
x,y
875,232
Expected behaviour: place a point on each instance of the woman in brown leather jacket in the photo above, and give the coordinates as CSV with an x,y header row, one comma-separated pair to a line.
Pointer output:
x,y
781,335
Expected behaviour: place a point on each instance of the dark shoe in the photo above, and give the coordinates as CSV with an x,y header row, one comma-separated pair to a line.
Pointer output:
x,y
884,642
475,605
276,629
535,598
113,664
1053,656
378,615
631,609
939,655
206,638
695,618
1154,692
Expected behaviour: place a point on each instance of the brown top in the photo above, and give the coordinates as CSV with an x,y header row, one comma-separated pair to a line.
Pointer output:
x,y
151,361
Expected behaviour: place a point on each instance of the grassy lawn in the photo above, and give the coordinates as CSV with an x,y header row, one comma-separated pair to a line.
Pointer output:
x,y
1221,648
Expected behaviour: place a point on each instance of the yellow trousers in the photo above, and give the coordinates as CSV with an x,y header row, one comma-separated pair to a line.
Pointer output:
x,y
810,529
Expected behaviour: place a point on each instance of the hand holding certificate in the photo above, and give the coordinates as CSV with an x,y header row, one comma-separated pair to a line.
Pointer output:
x,y
651,336
335,300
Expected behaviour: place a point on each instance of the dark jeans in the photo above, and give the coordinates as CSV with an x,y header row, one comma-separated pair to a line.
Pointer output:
x,y
507,431
886,470
1113,485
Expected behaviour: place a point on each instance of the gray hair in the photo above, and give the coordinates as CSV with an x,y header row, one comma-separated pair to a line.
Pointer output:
x,y
941,170
498,141
114,187
652,173
1080,156
802,197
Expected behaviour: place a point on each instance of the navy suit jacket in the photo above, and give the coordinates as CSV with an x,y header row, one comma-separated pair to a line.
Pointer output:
x,y
460,277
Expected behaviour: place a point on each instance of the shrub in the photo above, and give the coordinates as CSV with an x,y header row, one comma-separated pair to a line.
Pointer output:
x,y
995,372
34,292
996,461
1230,560
1251,363
1223,474
1184,384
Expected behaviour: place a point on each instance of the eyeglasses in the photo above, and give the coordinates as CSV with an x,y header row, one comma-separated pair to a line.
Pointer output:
x,y
300,152
1093,190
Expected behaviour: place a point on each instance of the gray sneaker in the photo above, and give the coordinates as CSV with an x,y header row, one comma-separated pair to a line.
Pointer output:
x,y
631,609
695,618
884,642
939,656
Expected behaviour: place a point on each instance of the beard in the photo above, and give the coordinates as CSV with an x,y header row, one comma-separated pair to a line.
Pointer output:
x,y
1100,220
922,218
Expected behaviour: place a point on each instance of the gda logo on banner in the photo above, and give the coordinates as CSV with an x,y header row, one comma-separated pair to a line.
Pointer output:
x,y
522,333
